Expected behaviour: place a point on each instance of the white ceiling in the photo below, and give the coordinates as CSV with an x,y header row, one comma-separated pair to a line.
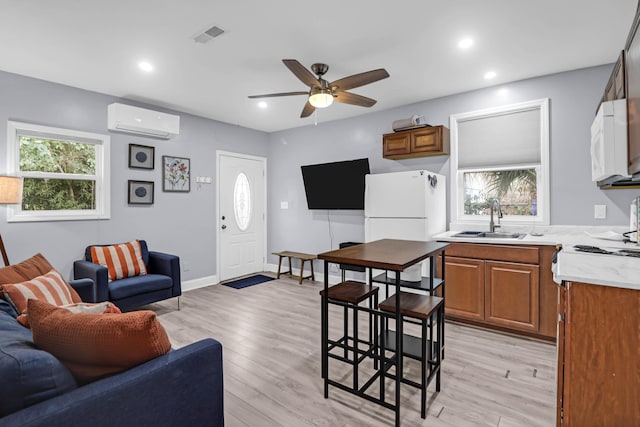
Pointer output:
x,y
96,45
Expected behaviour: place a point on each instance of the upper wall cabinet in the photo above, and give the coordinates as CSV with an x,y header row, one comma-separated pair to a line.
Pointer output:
x,y
632,65
420,142
615,88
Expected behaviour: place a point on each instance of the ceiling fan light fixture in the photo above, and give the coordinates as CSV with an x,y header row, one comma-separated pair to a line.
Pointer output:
x,y
321,98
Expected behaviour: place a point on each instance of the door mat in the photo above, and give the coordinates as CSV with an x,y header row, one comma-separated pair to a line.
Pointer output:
x,y
248,281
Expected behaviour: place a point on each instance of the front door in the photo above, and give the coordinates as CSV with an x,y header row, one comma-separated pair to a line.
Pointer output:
x,y
241,214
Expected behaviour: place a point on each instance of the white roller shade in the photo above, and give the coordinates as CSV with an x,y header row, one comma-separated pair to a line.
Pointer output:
x,y
503,139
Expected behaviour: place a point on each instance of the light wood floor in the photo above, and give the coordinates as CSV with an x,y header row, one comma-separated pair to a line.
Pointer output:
x,y
271,344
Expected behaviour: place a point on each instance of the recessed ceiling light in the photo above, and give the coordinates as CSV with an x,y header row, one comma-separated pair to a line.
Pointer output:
x,y
145,66
489,75
262,104
465,43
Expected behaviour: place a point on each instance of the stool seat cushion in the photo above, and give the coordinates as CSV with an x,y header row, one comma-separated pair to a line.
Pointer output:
x,y
412,305
351,291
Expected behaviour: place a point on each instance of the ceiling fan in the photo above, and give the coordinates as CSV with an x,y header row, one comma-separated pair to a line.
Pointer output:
x,y
322,93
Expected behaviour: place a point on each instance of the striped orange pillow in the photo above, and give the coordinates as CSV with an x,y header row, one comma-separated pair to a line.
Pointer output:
x,y
123,260
50,287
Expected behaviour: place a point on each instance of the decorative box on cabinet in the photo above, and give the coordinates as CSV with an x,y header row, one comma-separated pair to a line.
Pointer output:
x,y
419,142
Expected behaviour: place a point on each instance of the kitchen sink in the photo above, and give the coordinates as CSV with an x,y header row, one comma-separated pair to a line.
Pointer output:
x,y
490,235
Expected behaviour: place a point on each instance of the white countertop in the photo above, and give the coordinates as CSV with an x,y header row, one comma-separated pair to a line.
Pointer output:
x,y
606,270
599,269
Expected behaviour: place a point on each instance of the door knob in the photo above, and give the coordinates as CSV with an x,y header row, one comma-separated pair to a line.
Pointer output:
x,y
224,227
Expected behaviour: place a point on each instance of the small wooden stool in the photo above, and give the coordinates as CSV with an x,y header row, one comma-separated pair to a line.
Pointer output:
x,y
297,255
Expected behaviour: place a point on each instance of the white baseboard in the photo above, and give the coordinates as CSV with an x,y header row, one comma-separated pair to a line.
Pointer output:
x,y
272,268
189,285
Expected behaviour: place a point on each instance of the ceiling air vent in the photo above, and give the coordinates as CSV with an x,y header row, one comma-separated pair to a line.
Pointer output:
x,y
208,35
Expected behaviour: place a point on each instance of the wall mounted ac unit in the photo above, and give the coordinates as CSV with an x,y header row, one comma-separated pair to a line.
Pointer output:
x,y
126,118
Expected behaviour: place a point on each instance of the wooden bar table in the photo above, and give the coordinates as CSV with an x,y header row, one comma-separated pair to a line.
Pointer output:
x,y
386,254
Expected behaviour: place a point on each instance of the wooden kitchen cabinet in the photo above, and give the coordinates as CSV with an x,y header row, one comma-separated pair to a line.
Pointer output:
x,y
598,356
465,298
419,142
504,287
512,295
615,88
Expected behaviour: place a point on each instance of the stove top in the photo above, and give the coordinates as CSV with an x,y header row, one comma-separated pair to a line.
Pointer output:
x,y
596,250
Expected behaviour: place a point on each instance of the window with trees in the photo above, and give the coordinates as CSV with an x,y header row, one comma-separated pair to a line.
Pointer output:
x,y
501,154
65,173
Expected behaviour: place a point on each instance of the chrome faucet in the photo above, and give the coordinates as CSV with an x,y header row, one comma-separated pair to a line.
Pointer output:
x,y
493,225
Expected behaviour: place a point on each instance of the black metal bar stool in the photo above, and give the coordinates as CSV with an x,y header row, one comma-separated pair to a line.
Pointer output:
x,y
349,295
344,267
429,310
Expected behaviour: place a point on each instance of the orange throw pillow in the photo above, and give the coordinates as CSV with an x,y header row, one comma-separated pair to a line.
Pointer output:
x,y
123,260
35,266
50,287
95,345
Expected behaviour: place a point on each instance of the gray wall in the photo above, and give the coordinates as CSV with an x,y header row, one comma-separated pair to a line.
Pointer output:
x,y
184,224
573,96
179,223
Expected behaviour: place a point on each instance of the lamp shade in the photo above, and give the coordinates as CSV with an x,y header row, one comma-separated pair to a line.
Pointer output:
x,y
321,98
10,190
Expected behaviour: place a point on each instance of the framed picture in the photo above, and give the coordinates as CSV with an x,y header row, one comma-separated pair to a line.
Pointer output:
x,y
176,174
140,192
141,156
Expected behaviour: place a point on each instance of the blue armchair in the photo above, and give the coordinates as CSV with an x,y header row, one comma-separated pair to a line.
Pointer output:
x,y
161,282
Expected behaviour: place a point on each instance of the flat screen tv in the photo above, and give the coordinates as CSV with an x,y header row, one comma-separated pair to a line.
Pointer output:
x,y
337,185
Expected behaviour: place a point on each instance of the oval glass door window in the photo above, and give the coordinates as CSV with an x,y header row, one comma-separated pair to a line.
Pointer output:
x,y
242,201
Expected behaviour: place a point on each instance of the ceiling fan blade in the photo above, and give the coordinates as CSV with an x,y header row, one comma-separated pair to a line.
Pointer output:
x,y
301,72
307,110
361,79
353,99
271,95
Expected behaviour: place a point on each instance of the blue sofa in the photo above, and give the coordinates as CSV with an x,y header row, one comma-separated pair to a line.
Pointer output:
x,y
182,388
161,282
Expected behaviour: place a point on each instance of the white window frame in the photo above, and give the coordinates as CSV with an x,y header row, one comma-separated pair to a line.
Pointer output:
x,y
458,218
102,172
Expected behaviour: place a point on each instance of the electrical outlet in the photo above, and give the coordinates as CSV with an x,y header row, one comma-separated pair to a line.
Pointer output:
x,y
599,211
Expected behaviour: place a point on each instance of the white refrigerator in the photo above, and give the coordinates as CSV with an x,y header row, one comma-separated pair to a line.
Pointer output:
x,y
405,205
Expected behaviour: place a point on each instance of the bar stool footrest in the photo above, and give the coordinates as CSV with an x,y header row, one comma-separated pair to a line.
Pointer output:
x,y
411,346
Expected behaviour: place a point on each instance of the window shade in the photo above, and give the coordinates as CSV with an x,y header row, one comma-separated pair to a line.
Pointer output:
x,y
504,139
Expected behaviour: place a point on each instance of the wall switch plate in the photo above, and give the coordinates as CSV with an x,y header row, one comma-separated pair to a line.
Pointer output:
x,y
284,205
599,211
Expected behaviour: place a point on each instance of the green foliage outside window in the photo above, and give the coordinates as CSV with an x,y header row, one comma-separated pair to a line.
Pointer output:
x,y
55,159
515,189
